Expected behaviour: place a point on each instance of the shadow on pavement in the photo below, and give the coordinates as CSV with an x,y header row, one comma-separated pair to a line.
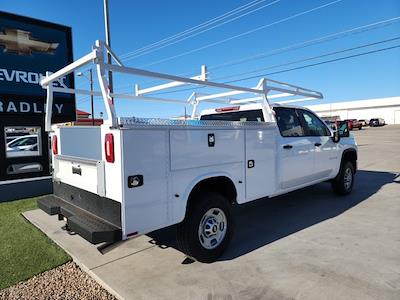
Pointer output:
x,y
264,221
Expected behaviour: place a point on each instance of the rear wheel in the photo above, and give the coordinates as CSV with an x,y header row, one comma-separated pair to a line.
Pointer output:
x,y
344,181
207,228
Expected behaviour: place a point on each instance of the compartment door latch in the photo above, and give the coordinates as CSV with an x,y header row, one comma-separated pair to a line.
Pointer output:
x,y
135,181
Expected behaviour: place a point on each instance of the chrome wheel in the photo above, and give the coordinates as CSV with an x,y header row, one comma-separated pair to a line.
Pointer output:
x,y
212,228
348,178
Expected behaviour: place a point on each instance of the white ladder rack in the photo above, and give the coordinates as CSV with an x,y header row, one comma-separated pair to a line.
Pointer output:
x,y
260,93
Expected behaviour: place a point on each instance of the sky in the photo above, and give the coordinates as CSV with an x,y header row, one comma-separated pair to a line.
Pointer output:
x,y
135,24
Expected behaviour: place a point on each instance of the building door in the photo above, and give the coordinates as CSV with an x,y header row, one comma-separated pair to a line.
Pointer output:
x,y
23,147
397,117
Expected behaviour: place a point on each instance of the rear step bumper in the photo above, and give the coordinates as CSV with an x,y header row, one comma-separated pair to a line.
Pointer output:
x,y
83,222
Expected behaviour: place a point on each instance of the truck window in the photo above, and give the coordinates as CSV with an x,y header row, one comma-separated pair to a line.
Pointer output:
x,y
313,126
288,122
242,116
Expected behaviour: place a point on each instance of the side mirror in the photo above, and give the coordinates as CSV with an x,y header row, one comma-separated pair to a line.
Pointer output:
x,y
343,128
336,136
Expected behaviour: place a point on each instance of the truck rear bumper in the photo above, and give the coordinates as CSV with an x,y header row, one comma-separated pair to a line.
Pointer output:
x,y
96,219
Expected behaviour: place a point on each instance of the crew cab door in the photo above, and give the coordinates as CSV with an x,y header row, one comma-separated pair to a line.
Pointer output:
x,y
325,150
295,150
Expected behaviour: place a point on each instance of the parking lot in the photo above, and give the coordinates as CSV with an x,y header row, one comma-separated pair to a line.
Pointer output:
x,y
309,244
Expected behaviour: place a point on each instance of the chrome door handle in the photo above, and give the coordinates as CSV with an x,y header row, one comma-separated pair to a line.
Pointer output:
x,y
287,147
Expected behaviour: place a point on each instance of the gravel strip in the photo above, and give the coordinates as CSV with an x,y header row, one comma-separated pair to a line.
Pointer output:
x,y
64,282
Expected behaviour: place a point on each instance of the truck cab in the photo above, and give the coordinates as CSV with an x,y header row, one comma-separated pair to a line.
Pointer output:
x,y
307,149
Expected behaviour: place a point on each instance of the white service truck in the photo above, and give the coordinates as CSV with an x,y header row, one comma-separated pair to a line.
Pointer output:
x,y
131,176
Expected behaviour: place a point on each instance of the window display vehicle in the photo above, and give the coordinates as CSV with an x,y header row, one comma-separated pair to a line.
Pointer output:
x,y
131,175
23,146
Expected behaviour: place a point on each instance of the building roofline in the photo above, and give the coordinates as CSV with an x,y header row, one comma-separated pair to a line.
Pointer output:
x,y
357,104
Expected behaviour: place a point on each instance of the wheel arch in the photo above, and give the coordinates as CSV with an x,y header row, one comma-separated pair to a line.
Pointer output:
x,y
350,155
219,183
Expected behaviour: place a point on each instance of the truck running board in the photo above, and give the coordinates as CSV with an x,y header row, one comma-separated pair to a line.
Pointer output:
x,y
88,226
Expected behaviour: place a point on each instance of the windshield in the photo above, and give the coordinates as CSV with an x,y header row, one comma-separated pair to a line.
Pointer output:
x,y
242,116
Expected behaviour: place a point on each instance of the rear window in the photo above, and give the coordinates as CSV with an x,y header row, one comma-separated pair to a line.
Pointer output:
x,y
242,116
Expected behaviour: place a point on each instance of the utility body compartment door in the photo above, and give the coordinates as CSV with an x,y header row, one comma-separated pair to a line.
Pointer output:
x,y
205,147
145,155
260,163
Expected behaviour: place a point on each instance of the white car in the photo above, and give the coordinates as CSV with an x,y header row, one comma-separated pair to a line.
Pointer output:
x,y
26,145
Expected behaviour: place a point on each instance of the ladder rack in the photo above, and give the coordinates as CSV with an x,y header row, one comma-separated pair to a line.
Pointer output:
x,y
258,94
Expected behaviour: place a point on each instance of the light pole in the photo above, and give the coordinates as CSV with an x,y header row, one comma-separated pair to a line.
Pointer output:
x,y
80,74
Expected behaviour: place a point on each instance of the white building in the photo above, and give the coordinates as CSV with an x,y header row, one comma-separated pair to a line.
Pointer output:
x,y
386,108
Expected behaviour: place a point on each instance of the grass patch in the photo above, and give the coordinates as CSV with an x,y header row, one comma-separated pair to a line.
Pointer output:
x,y
24,250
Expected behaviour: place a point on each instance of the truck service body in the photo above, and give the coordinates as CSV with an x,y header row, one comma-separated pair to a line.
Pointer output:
x,y
131,176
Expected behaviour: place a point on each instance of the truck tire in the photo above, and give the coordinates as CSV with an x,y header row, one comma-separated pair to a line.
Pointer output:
x,y
344,181
207,228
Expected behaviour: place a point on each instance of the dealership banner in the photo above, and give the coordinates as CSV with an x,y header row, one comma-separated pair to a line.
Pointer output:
x,y
29,48
34,106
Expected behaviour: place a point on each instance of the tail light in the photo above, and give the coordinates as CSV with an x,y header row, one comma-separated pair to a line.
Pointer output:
x,y
109,147
54,145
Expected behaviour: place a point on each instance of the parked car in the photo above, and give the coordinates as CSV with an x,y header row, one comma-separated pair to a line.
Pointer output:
x,y
364,122
354,123
23,146
377,122
14,135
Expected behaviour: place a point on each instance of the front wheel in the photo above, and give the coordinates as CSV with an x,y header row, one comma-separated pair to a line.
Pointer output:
x,y
207,228
344,181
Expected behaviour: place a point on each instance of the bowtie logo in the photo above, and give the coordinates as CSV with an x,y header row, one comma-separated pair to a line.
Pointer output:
x,y
21,42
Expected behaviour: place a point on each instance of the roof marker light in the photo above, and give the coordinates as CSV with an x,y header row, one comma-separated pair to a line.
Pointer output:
x,y
230,108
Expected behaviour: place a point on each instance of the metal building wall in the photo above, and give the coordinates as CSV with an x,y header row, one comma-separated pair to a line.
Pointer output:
x,y
386,108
